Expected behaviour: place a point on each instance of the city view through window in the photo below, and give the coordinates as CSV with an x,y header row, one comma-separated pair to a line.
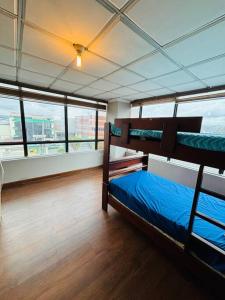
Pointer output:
x,y
45,124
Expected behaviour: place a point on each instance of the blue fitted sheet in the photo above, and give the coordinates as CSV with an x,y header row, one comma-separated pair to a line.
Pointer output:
x,y
167,205
204,141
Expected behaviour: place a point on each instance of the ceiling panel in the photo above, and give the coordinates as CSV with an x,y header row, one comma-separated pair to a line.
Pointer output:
x,y
7,56
95,65
104,85
124,91
135,96
107,95
146,85
7,72
188,86
153,65
168,20
124,77
121,45
75,20
78,77
159,92
47,47
7,31
209,69
40,66
35,78
119,3
178,77
204,45
215,81
9,5
88,91
66,86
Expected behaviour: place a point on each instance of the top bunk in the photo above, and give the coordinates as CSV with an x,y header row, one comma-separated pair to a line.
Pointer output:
x,y
177,138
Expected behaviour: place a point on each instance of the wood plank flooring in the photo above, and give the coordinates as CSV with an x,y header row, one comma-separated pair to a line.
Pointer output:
x,y
57,243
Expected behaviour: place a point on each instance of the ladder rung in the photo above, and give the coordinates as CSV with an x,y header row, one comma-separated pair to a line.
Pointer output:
x,y
210,220
211,193
210,245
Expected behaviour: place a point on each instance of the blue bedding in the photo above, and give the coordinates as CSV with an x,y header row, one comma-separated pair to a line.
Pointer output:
x,y
167,205
204,141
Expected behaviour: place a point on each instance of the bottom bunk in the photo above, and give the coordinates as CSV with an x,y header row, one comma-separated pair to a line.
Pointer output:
x,y
167,206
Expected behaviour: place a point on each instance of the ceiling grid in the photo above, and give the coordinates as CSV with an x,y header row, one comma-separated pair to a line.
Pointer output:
x,y
129,55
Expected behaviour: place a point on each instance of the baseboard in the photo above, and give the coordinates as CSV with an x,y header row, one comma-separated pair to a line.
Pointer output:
x,y
43,178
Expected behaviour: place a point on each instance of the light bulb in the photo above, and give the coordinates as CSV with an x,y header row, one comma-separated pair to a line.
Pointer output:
x,y
79,62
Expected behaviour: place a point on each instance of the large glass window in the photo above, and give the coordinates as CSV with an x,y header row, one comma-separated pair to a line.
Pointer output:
x,y
11,151
46,128
158,110
46,149
81,123
44,122
10,121
101,124
134,113
81,146
213,112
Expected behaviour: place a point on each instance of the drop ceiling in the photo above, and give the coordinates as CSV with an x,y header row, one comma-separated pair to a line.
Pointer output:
x,y
136,48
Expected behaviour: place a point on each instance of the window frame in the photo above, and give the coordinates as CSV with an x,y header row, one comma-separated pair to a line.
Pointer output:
x,y
25,143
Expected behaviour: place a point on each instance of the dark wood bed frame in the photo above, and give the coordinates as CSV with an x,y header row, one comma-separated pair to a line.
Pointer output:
x,y
168,146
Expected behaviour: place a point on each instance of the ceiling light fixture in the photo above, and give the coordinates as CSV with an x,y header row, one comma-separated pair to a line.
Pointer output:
x,y
79,49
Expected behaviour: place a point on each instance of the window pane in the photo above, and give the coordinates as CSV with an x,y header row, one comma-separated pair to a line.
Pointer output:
x,y
10,120
14,151
81,123
100,145
101,123
46,149
134,112
44,122
85,146
158,110
212,111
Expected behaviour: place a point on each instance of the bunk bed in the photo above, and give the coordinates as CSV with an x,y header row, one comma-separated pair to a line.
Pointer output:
x,y
187,224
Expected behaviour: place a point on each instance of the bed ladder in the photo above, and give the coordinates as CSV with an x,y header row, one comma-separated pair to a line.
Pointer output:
x,y
195,212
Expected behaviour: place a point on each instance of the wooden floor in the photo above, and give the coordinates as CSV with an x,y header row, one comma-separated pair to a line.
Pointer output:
x,y
57,243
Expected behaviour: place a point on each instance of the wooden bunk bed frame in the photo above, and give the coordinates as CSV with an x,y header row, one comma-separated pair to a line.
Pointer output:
x,y
168,147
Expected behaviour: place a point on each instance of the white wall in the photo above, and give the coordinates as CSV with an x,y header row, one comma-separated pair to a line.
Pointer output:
x,y
117,109
26,168
186,176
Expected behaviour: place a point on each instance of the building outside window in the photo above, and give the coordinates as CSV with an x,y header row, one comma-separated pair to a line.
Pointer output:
x,y
46,129
10,128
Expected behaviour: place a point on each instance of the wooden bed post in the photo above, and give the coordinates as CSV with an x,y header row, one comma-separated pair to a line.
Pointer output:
x,y
105,184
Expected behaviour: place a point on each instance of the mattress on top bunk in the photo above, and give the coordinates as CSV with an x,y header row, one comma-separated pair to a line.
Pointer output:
x,y
204,141
167,205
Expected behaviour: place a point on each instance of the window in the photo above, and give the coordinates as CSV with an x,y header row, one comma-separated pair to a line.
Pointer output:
x,y
10,121
44,122
101,124
81,123
12,151
212,111
135,112
46,128
10,129
158,110
81,146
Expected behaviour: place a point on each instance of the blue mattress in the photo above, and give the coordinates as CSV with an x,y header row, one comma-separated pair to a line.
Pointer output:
x,y
167,205
212,142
